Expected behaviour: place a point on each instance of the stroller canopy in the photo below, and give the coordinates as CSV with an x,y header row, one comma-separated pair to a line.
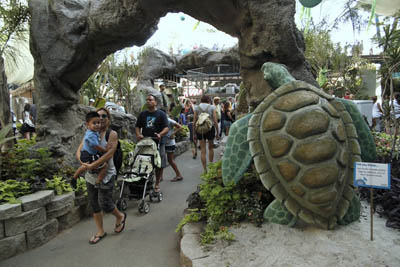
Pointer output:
x,y
149,147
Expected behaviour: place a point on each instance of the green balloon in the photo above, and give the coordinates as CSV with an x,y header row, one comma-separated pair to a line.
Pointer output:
x,y
310,3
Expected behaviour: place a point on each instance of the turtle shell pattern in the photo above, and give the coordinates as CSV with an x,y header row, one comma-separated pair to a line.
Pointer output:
x,y
304,145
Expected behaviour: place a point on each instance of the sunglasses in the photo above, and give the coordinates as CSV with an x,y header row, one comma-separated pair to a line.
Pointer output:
x,y
104,116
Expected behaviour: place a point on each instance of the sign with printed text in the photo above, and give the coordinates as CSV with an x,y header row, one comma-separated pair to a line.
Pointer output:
x,y
376,175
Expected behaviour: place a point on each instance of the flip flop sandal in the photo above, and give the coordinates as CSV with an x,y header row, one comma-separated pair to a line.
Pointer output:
x,y
121,223
97,238
177,179
157,189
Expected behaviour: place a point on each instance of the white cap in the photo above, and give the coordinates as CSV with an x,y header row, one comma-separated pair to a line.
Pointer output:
x,y
91,100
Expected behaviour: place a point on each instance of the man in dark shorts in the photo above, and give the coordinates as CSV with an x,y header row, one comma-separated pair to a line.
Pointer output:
x,y
205,106
152,123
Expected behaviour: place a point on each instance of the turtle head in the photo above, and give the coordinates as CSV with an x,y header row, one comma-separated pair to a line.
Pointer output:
x,y
276,74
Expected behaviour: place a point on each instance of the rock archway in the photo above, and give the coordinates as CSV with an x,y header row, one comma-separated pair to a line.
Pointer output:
x,y
69,38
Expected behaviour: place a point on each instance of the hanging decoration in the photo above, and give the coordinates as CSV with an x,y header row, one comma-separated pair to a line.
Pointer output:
x,y
310,3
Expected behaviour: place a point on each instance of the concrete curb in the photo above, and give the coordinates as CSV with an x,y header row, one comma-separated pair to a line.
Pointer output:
x,y
192,253
191,250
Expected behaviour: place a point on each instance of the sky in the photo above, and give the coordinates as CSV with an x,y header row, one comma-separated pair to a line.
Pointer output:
x,y
176,30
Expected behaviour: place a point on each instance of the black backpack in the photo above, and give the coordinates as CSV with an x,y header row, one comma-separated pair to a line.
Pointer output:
x,y
118,155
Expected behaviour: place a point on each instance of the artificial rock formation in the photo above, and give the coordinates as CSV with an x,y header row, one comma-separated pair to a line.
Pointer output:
x,y
208,59
69,39
153,64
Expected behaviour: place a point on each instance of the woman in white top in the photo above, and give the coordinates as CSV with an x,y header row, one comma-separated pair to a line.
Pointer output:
x,y
28,127
376,113
396,105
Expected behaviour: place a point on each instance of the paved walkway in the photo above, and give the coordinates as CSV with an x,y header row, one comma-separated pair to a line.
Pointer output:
x,y
148,240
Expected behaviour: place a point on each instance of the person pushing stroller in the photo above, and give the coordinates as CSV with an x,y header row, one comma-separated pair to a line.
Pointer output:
x,y
92,150
152,123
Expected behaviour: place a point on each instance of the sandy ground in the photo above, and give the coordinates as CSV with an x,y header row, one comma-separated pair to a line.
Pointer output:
x,y
276,245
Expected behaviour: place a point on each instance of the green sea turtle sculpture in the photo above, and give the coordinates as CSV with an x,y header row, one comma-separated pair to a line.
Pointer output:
x,y
303,143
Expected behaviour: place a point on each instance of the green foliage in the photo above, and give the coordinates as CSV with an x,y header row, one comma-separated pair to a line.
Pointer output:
x,y
330,63
194,215
26,163
126,146
10,190
80,187
35,167
183,131
384,146
390,43
176,111
59,185
209,235
3,134
226,205
113,78
14,18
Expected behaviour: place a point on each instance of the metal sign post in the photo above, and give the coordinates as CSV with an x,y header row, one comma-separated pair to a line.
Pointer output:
x,y
372,212
372,175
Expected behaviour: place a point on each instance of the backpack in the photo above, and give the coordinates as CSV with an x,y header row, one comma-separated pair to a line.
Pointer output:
x,y
118,155
203,123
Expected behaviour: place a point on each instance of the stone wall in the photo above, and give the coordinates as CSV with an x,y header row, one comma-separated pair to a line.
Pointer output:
x,y
37,220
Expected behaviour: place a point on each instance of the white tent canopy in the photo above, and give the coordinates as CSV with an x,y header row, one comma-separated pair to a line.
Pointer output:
x,y
20,69
384,7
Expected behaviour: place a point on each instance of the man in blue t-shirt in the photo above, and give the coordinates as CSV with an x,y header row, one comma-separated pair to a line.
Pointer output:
x,y
152,123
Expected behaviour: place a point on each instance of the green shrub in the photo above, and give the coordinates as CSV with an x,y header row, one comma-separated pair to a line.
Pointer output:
x,y
4,132
24,162
80,187
32,167
126,146
225,205
183,132
384,145
10,190
59,185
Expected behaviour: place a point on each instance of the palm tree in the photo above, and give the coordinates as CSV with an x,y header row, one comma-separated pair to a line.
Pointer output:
x,y
113,76
390,43
14,18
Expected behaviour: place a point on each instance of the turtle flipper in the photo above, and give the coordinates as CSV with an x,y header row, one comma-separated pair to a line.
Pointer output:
x,y
353,213
277,213
237,157
365,138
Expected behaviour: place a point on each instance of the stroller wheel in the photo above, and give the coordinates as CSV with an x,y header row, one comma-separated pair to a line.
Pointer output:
x,y
160,196
121,204
146,207
141,206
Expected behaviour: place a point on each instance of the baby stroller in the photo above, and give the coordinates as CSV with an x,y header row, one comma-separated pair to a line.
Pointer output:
x,y
139,176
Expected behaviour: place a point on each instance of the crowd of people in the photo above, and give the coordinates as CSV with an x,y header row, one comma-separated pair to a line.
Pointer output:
x,y
95,153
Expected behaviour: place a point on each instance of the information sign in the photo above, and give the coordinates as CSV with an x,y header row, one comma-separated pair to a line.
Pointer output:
x,y
375,175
